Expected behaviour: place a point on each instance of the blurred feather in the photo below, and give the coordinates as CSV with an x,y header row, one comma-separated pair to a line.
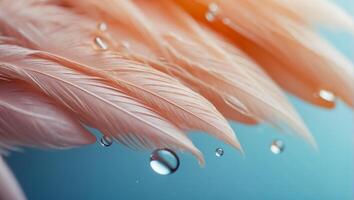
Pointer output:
x,y
9,187
317,12
28,118
283,45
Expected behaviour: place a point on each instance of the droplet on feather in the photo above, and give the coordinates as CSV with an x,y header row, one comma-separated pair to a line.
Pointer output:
x,y
106,141
213,7
327,95
100,43
212,11
277,147
102,26
164,161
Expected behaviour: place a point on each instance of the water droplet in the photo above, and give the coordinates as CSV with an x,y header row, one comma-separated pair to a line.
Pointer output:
x,y
137,181
101,43
106,141
209,16
102,26
212,11
213,7
219,152
164,161
327,95
277,146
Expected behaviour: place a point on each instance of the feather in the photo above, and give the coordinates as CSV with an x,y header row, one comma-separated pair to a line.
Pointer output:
x,y
97,104
217,82
9,187
134,20
143,53
177,103
322,12
28,118
199,52
280,44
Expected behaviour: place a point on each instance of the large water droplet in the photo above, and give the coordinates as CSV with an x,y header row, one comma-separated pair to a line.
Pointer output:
x,y
277,146
327,95
106,141
164,161
101,43
212,11
102,26
219,152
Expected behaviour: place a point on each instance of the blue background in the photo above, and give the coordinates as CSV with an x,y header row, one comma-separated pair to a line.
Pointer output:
x,y
95,172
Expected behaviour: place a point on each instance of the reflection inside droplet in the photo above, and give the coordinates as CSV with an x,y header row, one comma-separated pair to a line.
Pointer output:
x,y
327,95
101,43
106,141
277,147
164,161
219,152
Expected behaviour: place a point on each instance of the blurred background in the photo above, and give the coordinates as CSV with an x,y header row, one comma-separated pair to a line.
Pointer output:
x,y
299,172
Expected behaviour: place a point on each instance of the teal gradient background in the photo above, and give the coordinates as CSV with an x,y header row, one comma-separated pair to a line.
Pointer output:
x,y
299,173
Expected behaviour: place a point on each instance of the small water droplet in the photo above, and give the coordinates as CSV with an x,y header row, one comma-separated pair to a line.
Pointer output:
x,y
219,152
277,146
213,7
102,26
209,16
212,11
137,181
164,161
327,95
101,43
106,141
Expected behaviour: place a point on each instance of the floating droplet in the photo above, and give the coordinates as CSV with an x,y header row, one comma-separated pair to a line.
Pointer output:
x,y
219,152
102,26
106,141
164,161
101,43
327,95
212,11
277,146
